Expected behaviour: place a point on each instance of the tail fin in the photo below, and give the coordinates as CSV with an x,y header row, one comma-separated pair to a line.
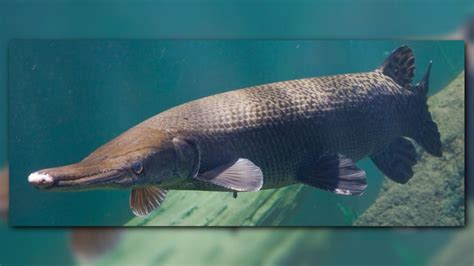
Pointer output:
x,y
427,135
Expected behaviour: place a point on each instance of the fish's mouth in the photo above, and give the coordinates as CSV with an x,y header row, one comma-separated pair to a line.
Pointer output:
x,y
76,177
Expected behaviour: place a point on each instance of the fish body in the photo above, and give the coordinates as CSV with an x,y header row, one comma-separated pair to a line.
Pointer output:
x,y
285,127
309,131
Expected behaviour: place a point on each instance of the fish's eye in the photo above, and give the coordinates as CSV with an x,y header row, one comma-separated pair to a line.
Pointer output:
x,y
137,167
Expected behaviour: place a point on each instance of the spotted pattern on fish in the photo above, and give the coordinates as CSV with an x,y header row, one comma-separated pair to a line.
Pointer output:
x,y
285,127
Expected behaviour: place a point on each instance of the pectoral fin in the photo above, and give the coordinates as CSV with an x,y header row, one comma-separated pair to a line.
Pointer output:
x,y
144,200
240,175
396,160
336,173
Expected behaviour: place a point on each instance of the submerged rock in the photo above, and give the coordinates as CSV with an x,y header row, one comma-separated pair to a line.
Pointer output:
x,y
435,194
196,208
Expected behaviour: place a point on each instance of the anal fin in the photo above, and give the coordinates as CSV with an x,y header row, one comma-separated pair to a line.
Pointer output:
x,y
336,173
396,160
144,200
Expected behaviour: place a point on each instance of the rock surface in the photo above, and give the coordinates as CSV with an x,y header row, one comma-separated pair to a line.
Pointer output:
x,y
435,194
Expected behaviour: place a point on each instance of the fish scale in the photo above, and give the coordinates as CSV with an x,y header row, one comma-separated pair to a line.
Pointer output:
x,y
285,127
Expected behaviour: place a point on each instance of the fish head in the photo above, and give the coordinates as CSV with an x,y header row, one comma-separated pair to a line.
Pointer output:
x,y
140,156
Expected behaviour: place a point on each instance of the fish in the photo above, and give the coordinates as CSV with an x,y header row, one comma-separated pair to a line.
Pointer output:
x,y
4,202
88,244
308,131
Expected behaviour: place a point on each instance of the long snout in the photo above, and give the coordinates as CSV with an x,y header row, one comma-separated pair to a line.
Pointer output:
x,y
80,176
40,179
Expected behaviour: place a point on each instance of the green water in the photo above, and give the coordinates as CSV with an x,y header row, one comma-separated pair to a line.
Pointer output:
x,y
69,97
206,19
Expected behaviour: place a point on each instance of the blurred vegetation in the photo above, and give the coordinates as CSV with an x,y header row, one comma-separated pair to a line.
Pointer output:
x,y
219,247
458,251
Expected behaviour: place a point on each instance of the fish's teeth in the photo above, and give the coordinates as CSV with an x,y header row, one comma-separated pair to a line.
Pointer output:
x,y
40,179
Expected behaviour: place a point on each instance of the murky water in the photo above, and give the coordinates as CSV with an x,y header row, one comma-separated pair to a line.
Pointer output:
x,y
69,97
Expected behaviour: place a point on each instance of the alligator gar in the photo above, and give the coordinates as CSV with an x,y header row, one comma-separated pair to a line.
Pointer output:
x,y
309,131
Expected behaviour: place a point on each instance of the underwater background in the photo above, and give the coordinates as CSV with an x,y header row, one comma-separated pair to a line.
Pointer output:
x,y
52,19
68,97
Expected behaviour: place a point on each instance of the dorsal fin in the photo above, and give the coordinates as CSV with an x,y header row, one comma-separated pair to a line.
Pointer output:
x,y
423,85
400,66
